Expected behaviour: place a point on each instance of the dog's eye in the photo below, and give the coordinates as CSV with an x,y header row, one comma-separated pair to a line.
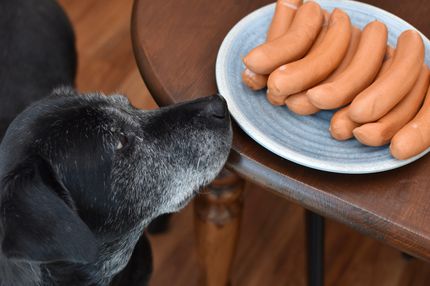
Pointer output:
x,y
122,142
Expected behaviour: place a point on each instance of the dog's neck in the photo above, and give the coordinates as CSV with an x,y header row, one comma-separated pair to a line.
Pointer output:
x,y
113,257
115,254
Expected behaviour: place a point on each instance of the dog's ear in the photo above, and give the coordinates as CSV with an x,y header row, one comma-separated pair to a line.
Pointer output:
x,y
39,220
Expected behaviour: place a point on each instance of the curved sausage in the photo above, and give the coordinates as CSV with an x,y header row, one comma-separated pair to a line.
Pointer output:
x,y
389,53
300,75
359,74
381,96
299,103
282,19
380,133
292,45
280,100
341,125
254,80
414,137
388,59
274,100
352,49
322,32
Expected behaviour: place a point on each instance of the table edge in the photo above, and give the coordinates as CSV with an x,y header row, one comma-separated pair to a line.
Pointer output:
x,y
363,221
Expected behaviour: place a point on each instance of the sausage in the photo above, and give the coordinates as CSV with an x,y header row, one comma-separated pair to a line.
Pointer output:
x,y
380,133
299,103
292,45
253,80
282,18
274,100
341,125
280,100
388,59
305,73
414,137
359,74
388,90
352,49
389,53
322,32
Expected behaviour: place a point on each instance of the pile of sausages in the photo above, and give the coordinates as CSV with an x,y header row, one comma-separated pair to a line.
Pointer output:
x,y
313,60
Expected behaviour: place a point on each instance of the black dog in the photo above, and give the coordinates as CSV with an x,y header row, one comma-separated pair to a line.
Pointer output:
x,y
81,176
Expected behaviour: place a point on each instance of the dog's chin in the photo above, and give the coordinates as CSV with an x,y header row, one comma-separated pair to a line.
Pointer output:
x,y
182,204
186,200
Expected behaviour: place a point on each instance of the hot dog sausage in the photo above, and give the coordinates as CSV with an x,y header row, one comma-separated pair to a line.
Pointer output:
x,y
414,137
282,19
253,80
359,74
305,73
322,32
387,91
387,61
299,103
380,133
292,45
341,125
281,100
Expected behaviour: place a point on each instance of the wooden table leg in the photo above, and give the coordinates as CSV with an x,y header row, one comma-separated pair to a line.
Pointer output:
x,y
315,248
217,221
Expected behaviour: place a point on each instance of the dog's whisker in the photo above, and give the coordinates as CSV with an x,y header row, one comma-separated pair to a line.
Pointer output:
x,y
198,163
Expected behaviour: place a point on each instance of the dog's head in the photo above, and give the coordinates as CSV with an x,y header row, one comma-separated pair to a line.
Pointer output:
x,y
77,169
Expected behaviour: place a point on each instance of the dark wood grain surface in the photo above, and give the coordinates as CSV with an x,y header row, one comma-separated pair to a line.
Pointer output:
x,y
176,44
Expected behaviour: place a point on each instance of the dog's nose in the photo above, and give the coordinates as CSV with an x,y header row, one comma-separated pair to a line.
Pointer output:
x,y
216,107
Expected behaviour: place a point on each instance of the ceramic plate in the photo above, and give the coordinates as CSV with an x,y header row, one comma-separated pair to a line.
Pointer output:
x,y
301,139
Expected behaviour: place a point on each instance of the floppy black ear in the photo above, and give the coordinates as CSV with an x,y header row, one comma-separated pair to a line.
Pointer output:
x,y
39,220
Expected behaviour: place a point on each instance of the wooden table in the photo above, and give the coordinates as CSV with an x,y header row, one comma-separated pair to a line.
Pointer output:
x,y
175,44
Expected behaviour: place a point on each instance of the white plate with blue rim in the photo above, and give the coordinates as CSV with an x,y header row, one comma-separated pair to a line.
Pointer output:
x,y
301,139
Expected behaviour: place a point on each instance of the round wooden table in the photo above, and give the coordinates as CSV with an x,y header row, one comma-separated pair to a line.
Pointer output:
x,y
175,44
